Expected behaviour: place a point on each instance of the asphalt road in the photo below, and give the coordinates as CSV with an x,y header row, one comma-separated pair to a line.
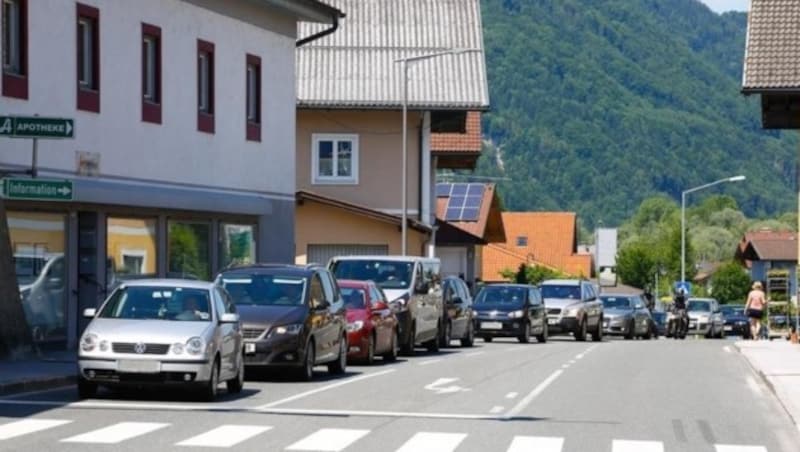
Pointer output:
x,y
620,396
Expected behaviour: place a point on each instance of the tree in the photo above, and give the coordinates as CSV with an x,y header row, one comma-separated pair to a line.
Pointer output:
x,y
730,283
535,274
636,264
16,341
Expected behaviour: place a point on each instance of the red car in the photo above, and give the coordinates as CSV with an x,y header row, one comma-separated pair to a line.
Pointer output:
x,y
371,324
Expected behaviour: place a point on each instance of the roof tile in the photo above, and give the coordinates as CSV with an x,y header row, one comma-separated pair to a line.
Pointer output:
x,y
772,54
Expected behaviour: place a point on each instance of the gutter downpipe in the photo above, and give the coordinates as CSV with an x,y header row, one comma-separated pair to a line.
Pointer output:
x,y
321,34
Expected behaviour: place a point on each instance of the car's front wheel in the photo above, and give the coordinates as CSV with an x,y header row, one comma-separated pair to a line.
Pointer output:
x,y
86,389
236,384
542,338
391,355
306,372
339,366
597,335
580,334
210,389
525,337
469,339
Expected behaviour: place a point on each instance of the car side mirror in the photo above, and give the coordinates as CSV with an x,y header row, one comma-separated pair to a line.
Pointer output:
x,y
321,305
457,300
229,318
380,306
89,313
422,288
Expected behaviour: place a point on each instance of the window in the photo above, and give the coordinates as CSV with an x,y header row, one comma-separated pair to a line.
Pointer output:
x,y
131,244
522,241
316,292
151,74
88,49
15,48
189,250
335,159
237,244
253,107
205,86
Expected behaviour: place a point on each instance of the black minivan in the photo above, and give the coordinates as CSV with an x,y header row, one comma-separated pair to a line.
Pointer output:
x,y
291,316
510,310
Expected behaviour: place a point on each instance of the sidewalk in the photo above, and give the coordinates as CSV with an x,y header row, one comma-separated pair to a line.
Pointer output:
x,y
52,371
778,363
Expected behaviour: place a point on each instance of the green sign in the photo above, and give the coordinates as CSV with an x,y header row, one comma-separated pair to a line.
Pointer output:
x,y
37,189
36,127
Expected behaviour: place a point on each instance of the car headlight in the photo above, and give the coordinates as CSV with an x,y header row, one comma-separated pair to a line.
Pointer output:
x,y
355,326
516,314
287,329
89,342
573,311
195,346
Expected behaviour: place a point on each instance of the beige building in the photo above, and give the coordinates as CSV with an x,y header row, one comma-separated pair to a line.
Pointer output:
x,y
349,123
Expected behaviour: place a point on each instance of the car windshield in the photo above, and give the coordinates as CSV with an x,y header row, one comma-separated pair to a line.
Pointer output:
x,y
265,290
617,302
696,305
501,295
354,298
386,274
732,310
158,303
553,291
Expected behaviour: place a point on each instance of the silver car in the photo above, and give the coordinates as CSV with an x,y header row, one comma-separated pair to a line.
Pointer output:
x,y
163,332
627,316
705,318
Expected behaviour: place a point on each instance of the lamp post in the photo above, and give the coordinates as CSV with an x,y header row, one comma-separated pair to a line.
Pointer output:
x,y
683,215
406,64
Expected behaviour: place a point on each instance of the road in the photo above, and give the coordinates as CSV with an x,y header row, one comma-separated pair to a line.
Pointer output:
x,y
620,396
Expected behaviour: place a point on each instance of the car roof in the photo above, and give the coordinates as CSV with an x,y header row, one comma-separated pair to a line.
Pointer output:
x,y
619,295
272,269
354,283
386,258
524,286
184,283
562,282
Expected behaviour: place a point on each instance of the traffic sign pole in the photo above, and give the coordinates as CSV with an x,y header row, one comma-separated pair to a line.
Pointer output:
x,y
35,158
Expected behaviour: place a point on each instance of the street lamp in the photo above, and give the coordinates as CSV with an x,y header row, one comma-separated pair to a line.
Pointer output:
x,y
683,215
406,64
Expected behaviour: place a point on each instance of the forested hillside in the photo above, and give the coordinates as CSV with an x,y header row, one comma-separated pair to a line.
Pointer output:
x,y
599,104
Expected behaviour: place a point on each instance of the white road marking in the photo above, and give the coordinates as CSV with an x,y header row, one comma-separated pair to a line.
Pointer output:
x,y
536,444
436,386
572,361
116,433
753,385
512,395
26,426
430,361
580,356
565,366
474,354
533,394
637,446
329,440
728,448
325,388
496,409
225,436
395,414
727,349
433,442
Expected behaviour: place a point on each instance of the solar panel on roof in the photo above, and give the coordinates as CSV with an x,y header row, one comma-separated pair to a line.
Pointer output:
x,y
443,190
453,214
470,214
475,190
465,201
459,189
473,201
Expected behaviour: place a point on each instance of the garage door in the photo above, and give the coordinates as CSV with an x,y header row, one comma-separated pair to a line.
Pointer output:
x,y
454,260
321,254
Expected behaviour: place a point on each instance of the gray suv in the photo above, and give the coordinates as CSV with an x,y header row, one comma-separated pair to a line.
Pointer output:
x,y
573,308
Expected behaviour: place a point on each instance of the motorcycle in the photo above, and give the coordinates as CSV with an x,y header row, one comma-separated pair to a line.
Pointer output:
x,y
677,324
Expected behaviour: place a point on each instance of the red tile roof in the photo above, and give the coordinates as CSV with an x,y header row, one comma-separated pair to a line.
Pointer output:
x,y
460,142
552,242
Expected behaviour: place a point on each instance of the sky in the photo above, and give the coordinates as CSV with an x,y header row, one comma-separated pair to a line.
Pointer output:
x,y
722,6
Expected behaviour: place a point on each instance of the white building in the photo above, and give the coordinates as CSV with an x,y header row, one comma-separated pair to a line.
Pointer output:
x,y
183,156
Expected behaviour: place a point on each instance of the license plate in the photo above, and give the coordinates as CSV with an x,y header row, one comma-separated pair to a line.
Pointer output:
x,y
552,321
249,348
491,325
692,325
728,328
139,367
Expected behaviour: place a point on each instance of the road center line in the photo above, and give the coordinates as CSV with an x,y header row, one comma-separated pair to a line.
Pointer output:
x,y
533,394
430,361
324,388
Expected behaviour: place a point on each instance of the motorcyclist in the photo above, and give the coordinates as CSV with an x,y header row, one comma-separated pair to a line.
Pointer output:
x,y
679,309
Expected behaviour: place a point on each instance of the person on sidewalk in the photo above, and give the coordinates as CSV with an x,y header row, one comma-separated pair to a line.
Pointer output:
x,y
756,302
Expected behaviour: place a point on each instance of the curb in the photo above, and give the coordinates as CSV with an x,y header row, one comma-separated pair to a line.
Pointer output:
x,y
36,385
769,385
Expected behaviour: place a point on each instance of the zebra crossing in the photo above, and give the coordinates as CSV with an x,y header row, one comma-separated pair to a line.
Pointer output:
x,y
321,440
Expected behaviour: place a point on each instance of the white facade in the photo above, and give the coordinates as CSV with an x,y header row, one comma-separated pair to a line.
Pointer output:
x,y
173,151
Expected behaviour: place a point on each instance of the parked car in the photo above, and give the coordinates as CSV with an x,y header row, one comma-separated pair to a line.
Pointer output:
x,y
511,310
413,287
627,316
705,318
292,317
573,308
459,323
736,322
42,287
371,324
163,332
659,322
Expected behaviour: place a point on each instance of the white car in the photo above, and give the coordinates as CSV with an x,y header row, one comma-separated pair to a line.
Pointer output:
x,y
163,332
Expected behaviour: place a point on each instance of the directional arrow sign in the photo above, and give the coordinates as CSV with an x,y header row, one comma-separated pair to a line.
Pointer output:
x,y
36,127
38,189
437,387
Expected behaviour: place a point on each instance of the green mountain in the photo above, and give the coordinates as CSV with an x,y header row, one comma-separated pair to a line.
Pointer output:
x,y
598,104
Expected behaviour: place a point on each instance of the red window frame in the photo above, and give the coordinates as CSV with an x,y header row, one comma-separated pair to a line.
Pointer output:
x,y
88,99
151,108
205,120
16,85
253,127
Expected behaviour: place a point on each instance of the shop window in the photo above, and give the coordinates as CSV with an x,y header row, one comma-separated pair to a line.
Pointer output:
x,y
189,246
131,249
38,241
237,244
